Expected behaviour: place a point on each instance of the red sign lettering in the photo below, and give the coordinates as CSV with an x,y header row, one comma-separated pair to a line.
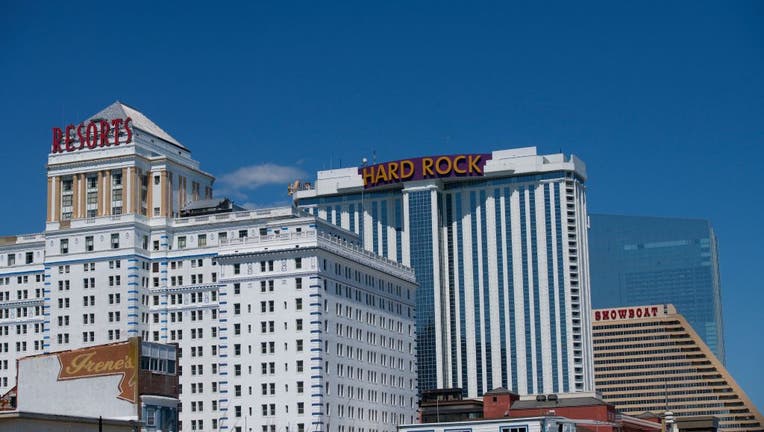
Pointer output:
x,y
94,134
624,313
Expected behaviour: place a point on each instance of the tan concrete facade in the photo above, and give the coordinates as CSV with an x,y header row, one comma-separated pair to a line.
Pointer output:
x,y
648,358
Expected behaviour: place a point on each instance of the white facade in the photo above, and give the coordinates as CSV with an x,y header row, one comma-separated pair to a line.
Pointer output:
x,y
108,269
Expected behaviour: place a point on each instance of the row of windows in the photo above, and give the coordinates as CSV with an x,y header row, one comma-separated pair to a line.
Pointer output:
x,y
20,294
89,243
20,279
20,312
12,258
370,281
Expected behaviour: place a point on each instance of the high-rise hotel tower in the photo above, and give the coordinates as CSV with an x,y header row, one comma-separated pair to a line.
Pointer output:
x,y
498,242
284,323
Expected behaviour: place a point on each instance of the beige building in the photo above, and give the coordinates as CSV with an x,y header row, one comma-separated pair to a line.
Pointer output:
x,y
648,358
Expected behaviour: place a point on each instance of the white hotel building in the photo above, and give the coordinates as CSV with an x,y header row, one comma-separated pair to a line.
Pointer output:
x,y
499,245
283,321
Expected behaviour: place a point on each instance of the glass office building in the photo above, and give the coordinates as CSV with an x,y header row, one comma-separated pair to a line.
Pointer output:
x,y
498,242
652,260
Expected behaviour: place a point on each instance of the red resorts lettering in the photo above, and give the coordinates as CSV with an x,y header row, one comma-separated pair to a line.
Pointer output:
x,y
94,134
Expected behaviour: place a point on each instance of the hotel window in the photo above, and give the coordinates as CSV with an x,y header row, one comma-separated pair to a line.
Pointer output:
x,y
29,257
202,241
116,179
242,233
11,259
115,241
298,263
89,243
156,180
182,242
64,246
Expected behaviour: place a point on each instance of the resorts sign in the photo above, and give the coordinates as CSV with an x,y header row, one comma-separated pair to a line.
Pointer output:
x,y
430,167
94,134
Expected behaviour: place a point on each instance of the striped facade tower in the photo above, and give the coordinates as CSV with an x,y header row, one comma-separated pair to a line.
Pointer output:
x,y
498,242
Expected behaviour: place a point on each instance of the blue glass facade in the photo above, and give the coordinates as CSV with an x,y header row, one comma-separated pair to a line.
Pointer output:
x,y
420,209
650,260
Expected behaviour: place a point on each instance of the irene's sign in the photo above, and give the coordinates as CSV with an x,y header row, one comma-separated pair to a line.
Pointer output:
x,y
94,134
119,359
463,165
626,313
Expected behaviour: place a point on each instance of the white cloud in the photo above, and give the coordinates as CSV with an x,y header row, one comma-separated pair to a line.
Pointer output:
x,y
253,176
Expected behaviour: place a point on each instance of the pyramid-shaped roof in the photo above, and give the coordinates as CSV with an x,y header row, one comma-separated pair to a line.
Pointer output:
x,y
140,121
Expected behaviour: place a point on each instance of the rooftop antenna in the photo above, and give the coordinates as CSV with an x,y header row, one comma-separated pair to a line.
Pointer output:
x,y
373,156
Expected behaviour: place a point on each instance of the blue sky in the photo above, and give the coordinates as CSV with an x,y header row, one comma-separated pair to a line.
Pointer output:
x,y
664,101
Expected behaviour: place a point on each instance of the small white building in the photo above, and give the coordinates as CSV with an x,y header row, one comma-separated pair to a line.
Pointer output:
x,y
527,424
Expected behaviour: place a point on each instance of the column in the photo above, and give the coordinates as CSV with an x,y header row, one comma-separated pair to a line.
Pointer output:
x,y
56,216
162,193
99,189
49,203
82,195
107,193
150,194
127,189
